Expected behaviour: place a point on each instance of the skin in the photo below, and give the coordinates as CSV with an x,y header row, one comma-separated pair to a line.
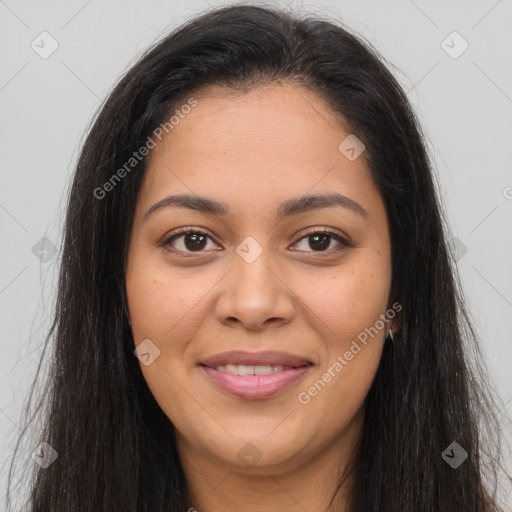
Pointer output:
x,y
253,151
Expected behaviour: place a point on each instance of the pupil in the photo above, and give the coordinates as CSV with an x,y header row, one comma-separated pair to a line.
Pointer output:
x,y
196,243
323,245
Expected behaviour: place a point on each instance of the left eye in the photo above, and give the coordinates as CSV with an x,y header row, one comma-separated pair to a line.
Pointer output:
x,y
319,240
195,241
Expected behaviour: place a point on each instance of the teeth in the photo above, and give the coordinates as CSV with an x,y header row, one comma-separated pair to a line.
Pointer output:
x,y
232,368
264,370
241,369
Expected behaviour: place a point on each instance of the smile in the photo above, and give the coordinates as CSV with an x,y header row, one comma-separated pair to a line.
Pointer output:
x,y
254,376
241,369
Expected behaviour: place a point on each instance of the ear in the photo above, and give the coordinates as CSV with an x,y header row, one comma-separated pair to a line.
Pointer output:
x,y
395,324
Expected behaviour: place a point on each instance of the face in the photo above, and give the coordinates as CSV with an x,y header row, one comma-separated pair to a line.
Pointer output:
x,y
263,327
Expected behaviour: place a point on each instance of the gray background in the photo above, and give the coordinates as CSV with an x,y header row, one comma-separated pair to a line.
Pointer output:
x,y
464,104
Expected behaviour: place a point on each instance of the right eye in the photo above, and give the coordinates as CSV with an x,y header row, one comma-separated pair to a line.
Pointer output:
x,y
190,241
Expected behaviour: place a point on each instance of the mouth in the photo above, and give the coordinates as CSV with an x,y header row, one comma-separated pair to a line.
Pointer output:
x,y
255,375
242,369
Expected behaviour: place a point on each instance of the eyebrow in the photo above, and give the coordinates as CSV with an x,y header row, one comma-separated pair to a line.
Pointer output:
x,y
288,208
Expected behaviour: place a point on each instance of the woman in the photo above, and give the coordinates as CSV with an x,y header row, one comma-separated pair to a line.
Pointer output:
x,y
257,309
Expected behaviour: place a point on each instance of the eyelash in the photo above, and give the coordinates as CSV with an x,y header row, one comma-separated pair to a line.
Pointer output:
x,y
188,231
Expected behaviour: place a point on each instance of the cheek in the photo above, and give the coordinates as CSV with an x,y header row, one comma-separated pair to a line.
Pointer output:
x,y
345,319
349,299
155,302
164,308
158,309
166,305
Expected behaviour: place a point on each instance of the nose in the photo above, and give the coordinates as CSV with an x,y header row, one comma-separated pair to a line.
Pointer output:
x,y
254,294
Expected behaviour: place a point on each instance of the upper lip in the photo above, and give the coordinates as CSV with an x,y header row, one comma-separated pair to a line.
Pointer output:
x,y
270,357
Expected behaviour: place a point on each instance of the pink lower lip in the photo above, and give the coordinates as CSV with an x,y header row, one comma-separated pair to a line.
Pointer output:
x,y
255,386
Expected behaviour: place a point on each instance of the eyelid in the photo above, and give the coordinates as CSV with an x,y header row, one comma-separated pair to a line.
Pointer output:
x,y
340,238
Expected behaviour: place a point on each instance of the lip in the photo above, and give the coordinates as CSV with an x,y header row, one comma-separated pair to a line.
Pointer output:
x,y
256,387
269,357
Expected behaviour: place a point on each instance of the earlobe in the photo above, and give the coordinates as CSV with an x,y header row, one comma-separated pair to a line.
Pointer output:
x,y
395,324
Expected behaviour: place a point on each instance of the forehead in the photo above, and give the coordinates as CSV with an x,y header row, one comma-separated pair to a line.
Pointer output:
x,y
257,148
280,117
